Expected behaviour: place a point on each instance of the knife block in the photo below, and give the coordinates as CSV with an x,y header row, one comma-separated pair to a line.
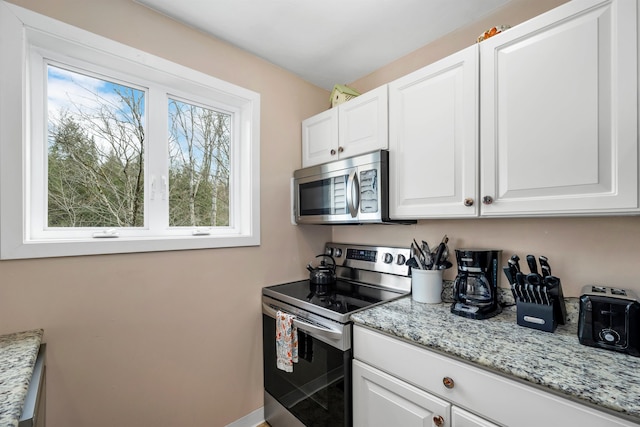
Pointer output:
x,y
544,317
537,316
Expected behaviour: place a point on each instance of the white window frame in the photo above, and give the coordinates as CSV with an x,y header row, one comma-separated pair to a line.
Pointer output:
x,y
28,41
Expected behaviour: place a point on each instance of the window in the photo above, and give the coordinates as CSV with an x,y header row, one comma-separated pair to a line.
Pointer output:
x,y
121,151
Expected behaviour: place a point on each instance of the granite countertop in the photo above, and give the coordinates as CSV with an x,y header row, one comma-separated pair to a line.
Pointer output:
x,y
18,352
555,361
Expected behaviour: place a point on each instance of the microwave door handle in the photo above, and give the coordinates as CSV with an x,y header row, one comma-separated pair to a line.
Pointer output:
x,y
353,193
318,330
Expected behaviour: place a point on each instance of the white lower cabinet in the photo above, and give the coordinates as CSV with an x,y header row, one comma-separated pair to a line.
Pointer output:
x,y
381,400
400,384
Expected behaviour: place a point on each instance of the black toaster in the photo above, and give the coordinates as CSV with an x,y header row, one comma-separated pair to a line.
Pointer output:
x,y
610,318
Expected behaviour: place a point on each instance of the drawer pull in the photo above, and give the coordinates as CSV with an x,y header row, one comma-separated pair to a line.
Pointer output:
x,y
448,382
438,420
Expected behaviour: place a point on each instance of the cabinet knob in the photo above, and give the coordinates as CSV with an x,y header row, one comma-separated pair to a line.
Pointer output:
x,y
448,382
340,149
487,200
438,420
468,201
333,152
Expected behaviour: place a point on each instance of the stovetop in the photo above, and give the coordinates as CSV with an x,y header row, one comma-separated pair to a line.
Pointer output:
x,y
335,301
367,276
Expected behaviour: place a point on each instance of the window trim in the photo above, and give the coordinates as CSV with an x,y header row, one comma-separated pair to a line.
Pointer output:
x,y
25,33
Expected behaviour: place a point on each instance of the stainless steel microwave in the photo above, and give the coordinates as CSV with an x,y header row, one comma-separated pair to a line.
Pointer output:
x,y
347,191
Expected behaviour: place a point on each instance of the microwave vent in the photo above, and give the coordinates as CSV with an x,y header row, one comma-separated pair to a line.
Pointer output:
x,y
340,189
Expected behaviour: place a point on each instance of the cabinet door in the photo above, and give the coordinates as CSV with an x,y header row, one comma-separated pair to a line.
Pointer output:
x,y
380,400
462,418
433,139
319,138
559,113
363,123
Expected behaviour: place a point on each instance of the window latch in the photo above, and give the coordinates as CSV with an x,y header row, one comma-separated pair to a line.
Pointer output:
x,y
200,232
106,234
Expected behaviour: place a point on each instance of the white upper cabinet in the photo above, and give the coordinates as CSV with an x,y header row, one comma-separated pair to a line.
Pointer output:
x,y
319,138
559,113
433,139
357,126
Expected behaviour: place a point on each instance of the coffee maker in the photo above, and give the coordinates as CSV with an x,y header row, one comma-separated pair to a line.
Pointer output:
x,y
475,289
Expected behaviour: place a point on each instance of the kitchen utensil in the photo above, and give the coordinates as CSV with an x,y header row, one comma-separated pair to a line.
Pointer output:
x,y
423,255
445,265
514,261
445,253
522,285
545,268
438,255
555,290
411,262
531,261
416,255
534,280
512,280
428,259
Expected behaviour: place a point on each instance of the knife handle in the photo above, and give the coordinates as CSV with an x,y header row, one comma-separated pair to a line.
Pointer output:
x,y
512,281
522,287
544,265
531,261
514,261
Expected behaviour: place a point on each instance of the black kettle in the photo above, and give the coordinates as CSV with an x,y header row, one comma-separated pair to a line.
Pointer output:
x,y
323,274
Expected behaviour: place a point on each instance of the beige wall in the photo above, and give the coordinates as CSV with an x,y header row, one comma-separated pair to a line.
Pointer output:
x,y
172,338
581,250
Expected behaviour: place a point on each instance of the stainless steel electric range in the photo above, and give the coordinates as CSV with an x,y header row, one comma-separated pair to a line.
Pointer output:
x,y
318,391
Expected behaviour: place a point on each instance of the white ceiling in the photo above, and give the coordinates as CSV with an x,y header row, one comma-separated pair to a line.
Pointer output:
x,y
327,41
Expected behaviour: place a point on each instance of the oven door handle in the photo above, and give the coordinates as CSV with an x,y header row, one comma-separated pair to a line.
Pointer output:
x,y
327,332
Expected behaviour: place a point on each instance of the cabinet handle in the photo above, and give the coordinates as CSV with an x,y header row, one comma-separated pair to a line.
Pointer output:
x,y
468,201
487,200
448,382
340,149
438,420
333,152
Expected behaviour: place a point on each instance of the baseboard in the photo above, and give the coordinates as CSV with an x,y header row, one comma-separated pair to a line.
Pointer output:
x,y
252,420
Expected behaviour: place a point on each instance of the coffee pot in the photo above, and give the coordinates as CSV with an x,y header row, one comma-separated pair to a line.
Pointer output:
x,y
475,289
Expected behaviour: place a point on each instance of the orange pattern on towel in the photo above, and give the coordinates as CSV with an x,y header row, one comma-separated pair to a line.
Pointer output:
x,y
286,341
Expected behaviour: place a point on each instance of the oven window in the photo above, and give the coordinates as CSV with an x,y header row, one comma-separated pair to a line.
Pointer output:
x,y
318,391
324,197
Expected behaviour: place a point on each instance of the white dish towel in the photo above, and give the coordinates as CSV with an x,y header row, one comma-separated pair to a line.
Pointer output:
x,y
286,341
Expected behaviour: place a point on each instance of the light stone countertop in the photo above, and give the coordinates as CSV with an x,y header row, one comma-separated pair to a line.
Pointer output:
x,y
556,362
18,353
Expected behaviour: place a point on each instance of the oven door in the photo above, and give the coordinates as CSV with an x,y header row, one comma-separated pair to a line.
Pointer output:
x,y
330,197
318,391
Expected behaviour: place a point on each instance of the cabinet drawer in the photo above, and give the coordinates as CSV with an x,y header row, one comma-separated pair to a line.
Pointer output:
x,y
492,396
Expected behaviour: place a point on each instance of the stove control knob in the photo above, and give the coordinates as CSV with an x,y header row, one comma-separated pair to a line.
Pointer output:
x,y
329,251
388,258
337,252
401,259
